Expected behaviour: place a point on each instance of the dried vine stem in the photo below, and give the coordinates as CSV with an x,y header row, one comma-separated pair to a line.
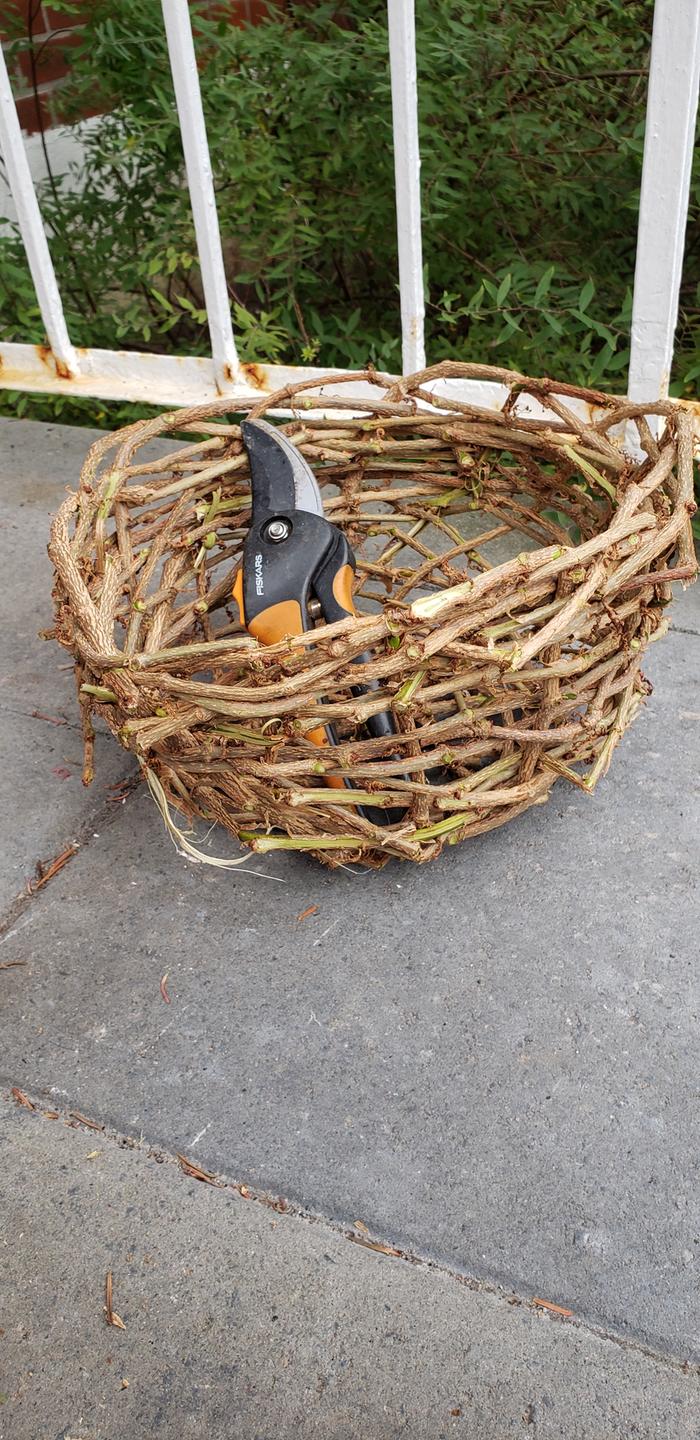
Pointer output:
x,y
513,565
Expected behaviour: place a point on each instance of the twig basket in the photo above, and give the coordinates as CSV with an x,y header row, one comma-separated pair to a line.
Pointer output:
x,y
514,563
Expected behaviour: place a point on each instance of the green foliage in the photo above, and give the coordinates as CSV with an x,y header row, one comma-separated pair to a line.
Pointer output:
x,y
531,135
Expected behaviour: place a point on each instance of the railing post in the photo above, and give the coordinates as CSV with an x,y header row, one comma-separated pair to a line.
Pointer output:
x,y
183,64
663,209
404,101
32,230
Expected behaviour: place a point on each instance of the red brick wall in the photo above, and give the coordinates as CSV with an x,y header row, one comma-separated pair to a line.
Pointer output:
x,y
38,72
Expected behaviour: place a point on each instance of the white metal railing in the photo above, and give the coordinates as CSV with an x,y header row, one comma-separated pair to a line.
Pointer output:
x,y
182,380
663,210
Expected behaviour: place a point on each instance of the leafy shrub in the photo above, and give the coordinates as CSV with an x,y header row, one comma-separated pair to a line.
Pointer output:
x,y
531,119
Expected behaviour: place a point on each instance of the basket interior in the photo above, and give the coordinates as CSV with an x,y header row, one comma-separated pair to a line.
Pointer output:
x,y
423,511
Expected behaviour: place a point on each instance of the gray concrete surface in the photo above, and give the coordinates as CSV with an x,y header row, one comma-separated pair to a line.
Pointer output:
x,y
240,1321
41,796
491,1062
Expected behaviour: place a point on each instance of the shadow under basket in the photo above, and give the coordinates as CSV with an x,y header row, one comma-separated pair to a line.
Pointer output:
x,y
513,565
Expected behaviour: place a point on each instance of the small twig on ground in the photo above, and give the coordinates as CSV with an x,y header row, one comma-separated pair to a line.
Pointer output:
x,y
46,872
21,1098
310,910
83,1120
197,1173
549,1305
50,719
111,1315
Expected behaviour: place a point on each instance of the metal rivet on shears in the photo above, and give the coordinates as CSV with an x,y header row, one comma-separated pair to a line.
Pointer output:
x,y
278,530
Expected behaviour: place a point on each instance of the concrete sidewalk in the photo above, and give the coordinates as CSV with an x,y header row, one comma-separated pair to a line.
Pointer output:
x,y
489,1063
243,1321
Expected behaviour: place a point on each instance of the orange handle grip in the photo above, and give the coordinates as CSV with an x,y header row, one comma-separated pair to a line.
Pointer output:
x,y
276,623
342,589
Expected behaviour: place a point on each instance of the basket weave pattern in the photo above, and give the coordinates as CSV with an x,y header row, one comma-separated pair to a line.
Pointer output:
x,y
513,567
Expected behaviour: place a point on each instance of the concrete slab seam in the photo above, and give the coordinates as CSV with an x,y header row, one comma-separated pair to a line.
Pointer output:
x,y
553,1314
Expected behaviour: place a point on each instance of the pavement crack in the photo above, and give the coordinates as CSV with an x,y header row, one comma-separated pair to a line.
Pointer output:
x,y
548,1311
105,813
57,721
683,630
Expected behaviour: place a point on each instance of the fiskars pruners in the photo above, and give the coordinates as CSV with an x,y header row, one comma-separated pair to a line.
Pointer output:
x,y
297,567
292,554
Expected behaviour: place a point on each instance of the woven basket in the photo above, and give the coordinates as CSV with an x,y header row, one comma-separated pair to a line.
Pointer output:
x,y
513,567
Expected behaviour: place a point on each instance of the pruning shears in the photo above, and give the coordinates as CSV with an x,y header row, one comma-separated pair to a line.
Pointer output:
x,y
297,567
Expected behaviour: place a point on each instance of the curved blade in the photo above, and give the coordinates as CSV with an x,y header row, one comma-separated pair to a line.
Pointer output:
x,y
281,480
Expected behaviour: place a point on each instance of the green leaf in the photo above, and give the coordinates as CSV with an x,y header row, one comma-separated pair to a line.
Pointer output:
x,y
503,288
586,295
162,300
543,286
476,301
590,471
